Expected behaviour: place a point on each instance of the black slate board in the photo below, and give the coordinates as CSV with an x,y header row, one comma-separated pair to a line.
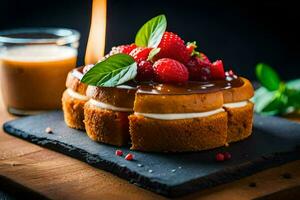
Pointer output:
x,y
274,141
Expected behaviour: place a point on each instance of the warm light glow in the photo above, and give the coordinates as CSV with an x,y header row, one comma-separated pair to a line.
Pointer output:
x,y
96,42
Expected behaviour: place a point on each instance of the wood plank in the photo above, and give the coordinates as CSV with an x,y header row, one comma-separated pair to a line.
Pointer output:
x,y
60,177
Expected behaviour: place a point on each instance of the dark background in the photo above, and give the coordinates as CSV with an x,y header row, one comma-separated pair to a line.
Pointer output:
x,y
242,33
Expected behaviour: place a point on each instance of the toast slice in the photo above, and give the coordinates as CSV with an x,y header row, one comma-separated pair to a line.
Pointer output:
x,y
239,110
73,100
106,114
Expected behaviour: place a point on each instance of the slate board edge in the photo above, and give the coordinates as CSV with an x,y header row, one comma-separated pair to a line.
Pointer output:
x,y
222,177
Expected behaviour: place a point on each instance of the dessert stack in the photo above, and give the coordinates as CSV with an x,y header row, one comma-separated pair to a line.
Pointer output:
x,y
159,94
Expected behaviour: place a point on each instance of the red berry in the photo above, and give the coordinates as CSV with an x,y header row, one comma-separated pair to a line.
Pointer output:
x,y
167,70
129,157
119,152
172,46
198,70
140,54
227,155
145,71
220,157
190,47
122,49
204,58
217,70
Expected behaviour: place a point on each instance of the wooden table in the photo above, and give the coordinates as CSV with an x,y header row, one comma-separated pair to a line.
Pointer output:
x,y
56,176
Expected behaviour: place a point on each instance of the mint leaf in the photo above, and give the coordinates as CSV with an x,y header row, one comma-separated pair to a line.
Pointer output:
x,y
262,98
293,84
151,32
152,53
115,70
267,76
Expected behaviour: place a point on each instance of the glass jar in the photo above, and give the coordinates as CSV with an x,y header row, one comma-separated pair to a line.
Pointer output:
x,y
34,64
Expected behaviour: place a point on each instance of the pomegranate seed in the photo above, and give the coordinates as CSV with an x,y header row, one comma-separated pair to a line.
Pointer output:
x,y
227,155
220,157
119,153
129,157
231,73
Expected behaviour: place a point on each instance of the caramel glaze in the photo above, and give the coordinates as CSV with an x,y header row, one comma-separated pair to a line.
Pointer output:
x,y
192,87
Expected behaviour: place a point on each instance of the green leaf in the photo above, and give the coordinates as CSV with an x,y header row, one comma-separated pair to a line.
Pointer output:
x,y
293,84
262,98
151,32
267,76
115,70
152,53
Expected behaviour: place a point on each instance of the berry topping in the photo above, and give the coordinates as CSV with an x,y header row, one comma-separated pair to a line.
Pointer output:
x,y
119,152
217,70
172,46
191,46
140,54
198,70
129,157
227,155
203,58
145,71
122,49
220,157
167,70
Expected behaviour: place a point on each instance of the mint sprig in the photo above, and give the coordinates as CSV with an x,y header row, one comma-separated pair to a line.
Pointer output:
x,y
275,97
267,77
151,33
115,70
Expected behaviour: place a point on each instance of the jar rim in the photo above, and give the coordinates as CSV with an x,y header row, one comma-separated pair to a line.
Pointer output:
x,y
62,36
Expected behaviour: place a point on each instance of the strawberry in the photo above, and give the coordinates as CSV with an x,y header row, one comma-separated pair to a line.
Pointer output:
x,y
203,57
172,46
145,71
191,46
167,70
217,70
198,70
140,54
122,49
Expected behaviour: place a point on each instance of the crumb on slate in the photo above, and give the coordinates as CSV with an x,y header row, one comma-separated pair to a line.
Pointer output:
x,y
48,130
150,170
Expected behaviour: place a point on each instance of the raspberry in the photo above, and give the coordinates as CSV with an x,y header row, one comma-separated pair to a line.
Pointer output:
x,y
129,157
122,49
227,155
172,46
220,157
198,70
140,54
119,152
217,70
145,71
167,70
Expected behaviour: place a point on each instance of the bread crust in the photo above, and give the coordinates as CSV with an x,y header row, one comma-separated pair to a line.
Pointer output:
x,y
74,83
189,103
73,110
178,135
106,126
240,122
